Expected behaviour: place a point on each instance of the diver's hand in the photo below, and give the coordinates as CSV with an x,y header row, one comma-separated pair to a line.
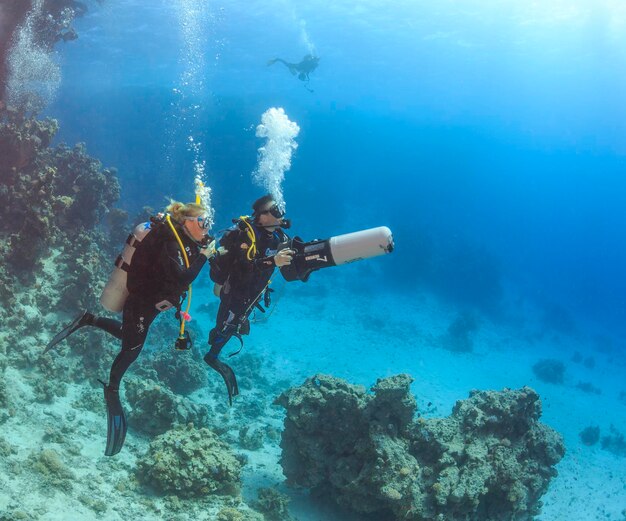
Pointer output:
x,y
283,258
209,250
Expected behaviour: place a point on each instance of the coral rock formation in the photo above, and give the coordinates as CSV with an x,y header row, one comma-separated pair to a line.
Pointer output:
x,y
189,462
491,459
156,409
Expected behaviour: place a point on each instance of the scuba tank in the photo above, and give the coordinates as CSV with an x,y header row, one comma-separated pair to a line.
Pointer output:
x,y
115,292
342,249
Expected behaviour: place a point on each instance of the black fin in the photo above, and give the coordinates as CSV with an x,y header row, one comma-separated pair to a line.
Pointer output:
x,y
116,421
228,375
80,321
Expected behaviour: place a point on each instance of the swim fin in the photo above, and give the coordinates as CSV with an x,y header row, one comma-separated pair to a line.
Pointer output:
x,y
227,374
116,421
81,320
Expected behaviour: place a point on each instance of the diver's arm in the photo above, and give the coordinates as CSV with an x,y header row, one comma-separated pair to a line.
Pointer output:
x,y
282,258
174,265
264,263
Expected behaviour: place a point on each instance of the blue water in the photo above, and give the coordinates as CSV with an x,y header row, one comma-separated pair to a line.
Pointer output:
x,y
494,127
490,136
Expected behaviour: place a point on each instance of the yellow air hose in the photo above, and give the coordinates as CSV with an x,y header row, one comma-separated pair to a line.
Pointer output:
x,y
251,235
181,333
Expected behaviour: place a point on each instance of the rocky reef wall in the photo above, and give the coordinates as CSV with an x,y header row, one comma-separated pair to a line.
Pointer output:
x,y
490,460
56,245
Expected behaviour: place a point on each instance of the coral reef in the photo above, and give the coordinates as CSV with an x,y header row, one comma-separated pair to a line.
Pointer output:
x,y
51,469
156,409
17,515
182,371
4,395
491,459
590,435
189,462
51,200
232,514
7,449
273,504
549,370
251,438
57,257
250,374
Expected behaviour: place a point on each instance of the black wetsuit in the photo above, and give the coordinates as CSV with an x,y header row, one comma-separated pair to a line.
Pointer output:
x,y
245,283
157,279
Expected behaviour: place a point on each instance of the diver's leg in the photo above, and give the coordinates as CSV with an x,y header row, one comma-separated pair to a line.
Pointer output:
x,y
273,61
109,325
138,315
232,308
227,322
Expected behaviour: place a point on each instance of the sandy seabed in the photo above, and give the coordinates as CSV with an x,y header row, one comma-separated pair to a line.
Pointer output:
x,y
360,338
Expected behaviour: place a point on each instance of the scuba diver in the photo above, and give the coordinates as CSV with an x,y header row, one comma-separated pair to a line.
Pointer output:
x,y
167,254
251,250
302,70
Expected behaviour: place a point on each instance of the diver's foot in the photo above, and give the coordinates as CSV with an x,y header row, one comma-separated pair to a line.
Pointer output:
x,y
84,319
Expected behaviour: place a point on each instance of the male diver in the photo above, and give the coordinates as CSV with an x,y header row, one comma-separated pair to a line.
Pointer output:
x,y
242,277
302,69
163,265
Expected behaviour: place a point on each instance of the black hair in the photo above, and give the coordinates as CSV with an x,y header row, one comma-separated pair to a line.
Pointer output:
x,y
260,203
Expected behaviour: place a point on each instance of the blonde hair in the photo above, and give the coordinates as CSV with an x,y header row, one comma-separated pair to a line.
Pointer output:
x,y
180,211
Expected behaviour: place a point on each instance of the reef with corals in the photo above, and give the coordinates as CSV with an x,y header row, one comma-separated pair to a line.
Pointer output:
x,y
491,459
156,409
190,462
183,372
52,200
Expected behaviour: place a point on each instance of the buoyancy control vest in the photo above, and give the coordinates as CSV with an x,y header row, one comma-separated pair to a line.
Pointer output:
x,y
239,241
138,270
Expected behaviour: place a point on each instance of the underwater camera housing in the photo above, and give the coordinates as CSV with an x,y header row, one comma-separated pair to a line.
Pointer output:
x,y
183,342
341,249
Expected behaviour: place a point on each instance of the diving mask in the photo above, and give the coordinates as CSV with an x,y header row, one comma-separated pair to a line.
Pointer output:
x,y
203,221
275,211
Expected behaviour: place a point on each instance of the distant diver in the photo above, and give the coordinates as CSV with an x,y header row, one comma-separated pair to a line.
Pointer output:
x,y
159,262
302,70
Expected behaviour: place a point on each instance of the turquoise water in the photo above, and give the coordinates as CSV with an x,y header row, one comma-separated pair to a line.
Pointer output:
x,y
489,136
